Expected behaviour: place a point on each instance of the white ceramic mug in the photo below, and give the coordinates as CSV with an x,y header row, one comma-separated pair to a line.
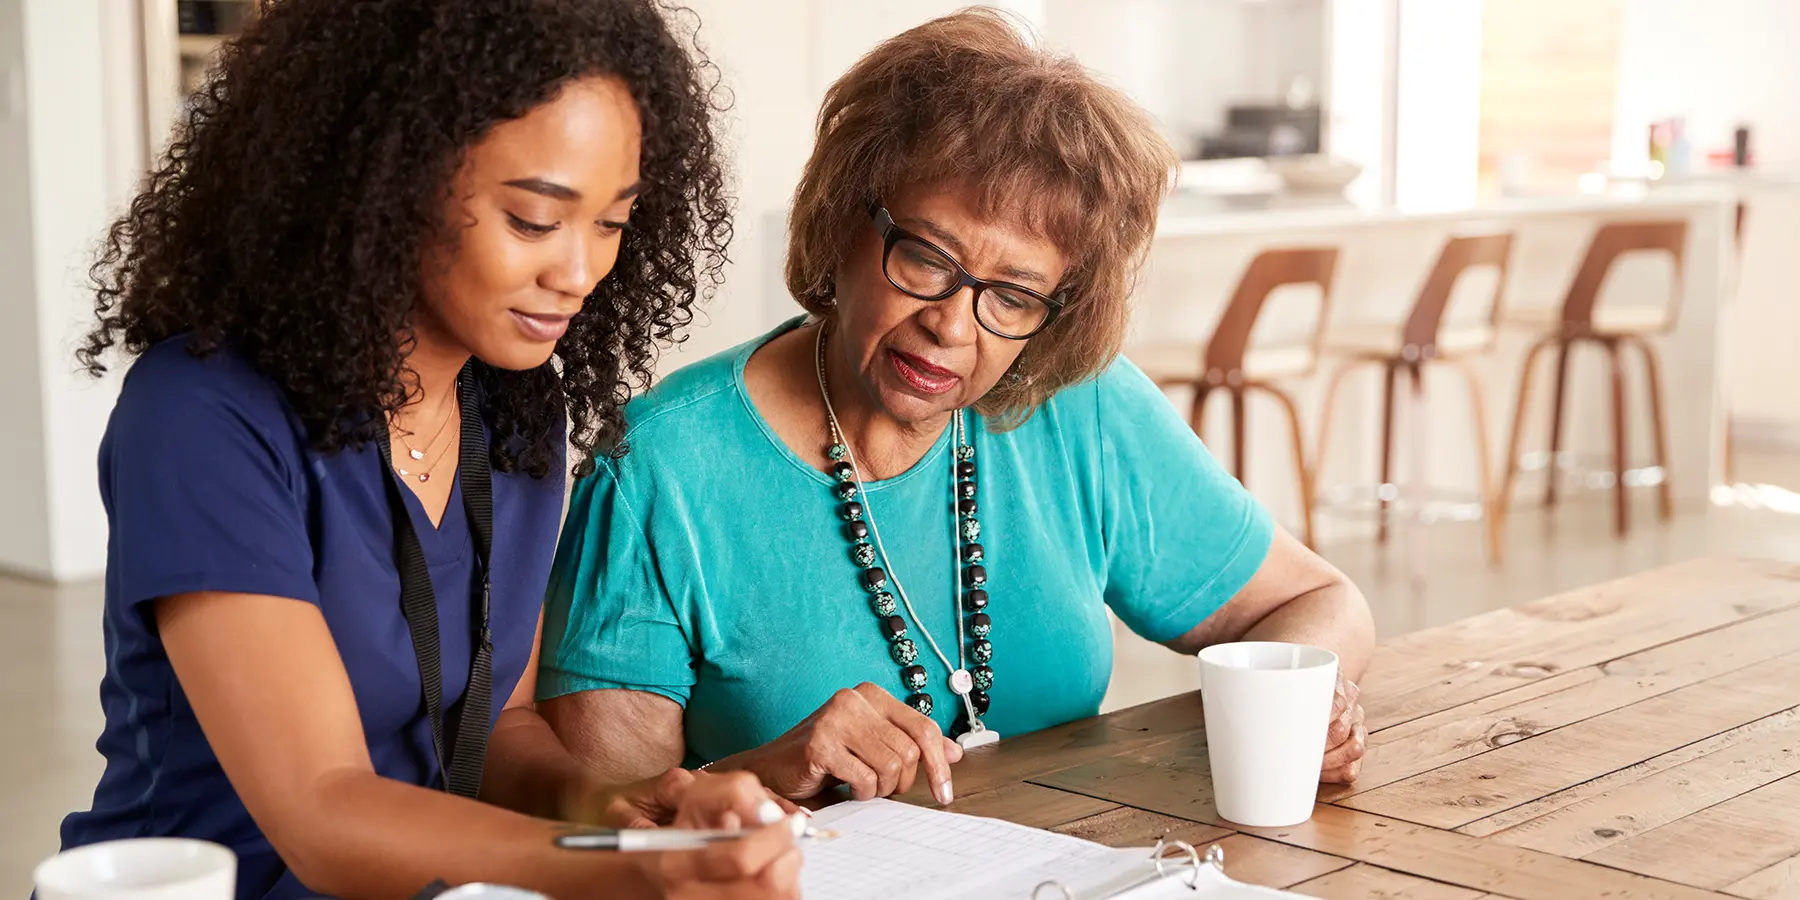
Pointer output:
x,y
1267,707
490,892
140,869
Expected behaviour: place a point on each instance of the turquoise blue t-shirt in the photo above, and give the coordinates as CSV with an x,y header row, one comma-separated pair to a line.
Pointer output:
x,y
709,565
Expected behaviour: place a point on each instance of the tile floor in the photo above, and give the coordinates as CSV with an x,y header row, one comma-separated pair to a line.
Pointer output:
x,y
51,653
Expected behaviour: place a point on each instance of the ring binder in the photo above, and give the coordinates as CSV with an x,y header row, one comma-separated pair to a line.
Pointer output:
x,y
1201,875
1189,860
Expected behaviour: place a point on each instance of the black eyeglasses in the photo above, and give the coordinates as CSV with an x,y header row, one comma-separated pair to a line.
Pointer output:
x,y
922,270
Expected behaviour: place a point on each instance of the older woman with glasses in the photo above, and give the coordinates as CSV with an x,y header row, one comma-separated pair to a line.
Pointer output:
x,y
905,515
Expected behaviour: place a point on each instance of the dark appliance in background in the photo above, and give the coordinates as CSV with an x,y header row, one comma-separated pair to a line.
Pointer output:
x,y
202,17
1272,130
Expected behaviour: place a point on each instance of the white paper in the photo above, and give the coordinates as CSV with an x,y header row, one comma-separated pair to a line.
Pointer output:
x,y
888,850
894,850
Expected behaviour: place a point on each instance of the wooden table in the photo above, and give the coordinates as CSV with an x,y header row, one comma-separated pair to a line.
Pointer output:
x,y
1637,739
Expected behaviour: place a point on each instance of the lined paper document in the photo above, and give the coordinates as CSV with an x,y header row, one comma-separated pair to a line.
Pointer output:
x,y
888,850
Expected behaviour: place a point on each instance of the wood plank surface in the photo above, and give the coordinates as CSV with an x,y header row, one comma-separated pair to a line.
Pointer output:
x,y
1418,674
1128,827
1452,735
1608,782
1253,860
1778,882
1030,805
1468,862
1721,846
1633,808
1179,791
1519,773
1366,882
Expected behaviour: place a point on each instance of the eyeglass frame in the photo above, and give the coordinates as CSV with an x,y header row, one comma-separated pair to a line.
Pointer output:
x,y
891,234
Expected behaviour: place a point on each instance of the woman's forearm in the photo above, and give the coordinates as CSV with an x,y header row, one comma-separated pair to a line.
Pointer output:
x,y
365,837
1335,617
530,771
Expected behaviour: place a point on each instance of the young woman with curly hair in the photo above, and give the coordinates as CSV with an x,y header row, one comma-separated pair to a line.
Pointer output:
x,y
400,253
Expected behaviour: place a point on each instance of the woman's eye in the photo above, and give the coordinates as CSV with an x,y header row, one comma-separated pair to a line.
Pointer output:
x,y
923,258
529,227
612,228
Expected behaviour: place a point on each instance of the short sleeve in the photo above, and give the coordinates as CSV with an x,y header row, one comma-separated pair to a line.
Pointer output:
x,y
1182,536
610,621
200,470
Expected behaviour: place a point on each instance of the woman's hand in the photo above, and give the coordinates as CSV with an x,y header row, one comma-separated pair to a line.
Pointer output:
x,y
694,800
1346,740
763,866
864,738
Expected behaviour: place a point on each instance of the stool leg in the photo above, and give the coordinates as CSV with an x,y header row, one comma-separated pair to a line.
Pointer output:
x,y
1301,469
1621,497
1665,491
1419,482
1239,460
1197,412
1390,376
1503,497
1326,416
1556,423
1483,458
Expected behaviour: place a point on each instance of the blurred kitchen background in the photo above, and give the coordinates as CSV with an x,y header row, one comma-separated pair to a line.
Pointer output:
x,y
1381,131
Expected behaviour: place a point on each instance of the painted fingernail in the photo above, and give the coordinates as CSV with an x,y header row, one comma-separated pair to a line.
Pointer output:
x,y
944,794
797,825
806,812
769,812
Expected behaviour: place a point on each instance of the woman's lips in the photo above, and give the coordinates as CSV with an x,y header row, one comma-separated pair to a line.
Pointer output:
x,y
922,375
541,327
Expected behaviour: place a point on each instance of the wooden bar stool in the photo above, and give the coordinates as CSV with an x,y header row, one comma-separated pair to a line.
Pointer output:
x,y
1612,329
1419,342
1227,362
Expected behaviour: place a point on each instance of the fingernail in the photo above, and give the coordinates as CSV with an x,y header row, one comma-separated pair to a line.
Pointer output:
x,y
806,812
769,812
797,825
944,794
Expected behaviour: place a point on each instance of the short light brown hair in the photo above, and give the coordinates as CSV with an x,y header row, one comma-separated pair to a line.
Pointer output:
x,y
1039,141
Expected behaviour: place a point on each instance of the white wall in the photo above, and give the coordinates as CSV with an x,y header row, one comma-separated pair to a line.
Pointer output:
x,y
1717,63
61,172
1438,134
24,494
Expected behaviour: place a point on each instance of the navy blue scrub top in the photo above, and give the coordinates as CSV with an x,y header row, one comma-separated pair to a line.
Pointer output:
x,y
209,485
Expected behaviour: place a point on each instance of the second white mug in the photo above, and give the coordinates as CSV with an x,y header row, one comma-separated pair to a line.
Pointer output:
x,y
140,869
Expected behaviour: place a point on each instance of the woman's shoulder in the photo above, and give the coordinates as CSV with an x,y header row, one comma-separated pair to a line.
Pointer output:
x,y
1120,390
172,385
690,401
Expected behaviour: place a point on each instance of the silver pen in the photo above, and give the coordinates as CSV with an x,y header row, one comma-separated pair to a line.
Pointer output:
x,y
652,840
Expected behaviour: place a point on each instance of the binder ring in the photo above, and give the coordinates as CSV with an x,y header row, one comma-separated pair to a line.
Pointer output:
x,y
1067,894
1188,851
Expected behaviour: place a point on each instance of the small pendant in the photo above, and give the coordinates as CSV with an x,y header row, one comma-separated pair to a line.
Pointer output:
x,y
424,477
981,736
961,681
416,454
403,472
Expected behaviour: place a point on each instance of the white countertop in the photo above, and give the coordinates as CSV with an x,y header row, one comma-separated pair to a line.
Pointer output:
x,y
1177,222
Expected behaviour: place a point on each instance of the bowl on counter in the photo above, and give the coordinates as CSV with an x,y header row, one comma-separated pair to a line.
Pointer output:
x,y
1313,173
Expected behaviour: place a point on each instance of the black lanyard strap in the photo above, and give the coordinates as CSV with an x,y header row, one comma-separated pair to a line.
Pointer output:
x,y
469,718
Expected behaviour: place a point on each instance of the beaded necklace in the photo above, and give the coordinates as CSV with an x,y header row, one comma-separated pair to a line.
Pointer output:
x,y
971,686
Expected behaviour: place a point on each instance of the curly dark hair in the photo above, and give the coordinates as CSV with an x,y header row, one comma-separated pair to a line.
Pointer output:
x,y
312,172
